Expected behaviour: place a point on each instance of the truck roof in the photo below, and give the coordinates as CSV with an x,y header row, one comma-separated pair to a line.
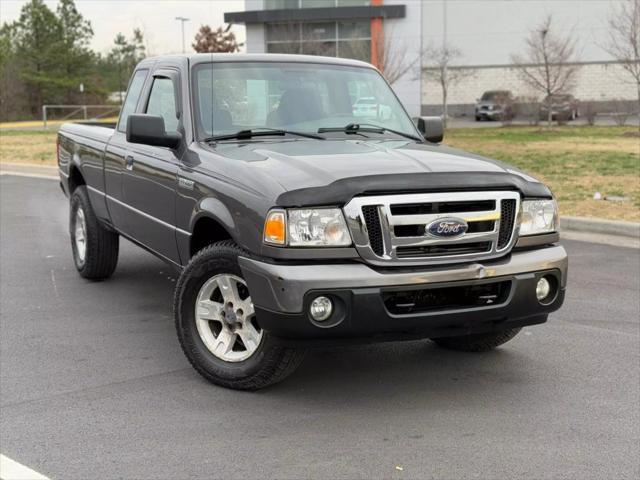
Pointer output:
x,y
196,58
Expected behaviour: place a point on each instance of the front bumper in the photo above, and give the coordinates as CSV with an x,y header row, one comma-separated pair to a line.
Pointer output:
x,y
490,114
282,293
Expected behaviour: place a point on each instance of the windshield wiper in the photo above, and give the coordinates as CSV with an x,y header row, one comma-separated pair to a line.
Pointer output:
x,y
261,132
353,128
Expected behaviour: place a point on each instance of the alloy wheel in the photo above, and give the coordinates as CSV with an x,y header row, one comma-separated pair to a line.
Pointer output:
x,y
225,318
80,235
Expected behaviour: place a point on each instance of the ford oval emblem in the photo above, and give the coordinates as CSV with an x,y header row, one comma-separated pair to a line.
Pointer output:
x,y
447,227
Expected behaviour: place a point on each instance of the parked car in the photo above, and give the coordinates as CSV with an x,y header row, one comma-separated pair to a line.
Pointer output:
x,y
303,226
495,105
563,107
369,107
365,107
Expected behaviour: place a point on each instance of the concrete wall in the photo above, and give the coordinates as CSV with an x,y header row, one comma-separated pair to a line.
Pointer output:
x,y
597,81
255,32
256,38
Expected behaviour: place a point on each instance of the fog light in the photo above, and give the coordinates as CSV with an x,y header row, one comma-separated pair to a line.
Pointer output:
x,y
321,309
543,288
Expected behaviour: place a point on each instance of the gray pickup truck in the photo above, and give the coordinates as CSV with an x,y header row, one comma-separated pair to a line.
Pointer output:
x,y
297,218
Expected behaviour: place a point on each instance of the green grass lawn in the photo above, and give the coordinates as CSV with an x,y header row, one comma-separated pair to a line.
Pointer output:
x,y
574,161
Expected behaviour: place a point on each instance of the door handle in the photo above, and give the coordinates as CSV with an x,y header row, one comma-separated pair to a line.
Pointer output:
x,y
128,162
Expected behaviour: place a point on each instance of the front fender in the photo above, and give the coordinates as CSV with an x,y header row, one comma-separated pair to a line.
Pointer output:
x,y
211,208
216,210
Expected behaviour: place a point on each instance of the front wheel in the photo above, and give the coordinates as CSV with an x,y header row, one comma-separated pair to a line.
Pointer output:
x,y
217,326
481,342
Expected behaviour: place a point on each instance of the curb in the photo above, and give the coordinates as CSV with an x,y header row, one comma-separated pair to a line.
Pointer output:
x,y
28,170
596,225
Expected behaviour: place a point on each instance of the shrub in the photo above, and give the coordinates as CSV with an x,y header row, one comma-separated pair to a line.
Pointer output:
x,y
590,112
621,112
529,107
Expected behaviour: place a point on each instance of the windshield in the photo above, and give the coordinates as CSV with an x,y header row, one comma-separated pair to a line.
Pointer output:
x,y
234,96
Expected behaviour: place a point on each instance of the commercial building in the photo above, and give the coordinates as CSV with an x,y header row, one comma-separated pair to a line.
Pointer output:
x,y
486,32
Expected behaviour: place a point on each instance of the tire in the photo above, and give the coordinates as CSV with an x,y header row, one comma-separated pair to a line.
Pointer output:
x,y
209,321
96,253
478,119
482,342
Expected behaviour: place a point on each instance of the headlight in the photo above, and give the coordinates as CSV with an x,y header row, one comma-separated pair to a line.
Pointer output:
x,y
538,216
312,227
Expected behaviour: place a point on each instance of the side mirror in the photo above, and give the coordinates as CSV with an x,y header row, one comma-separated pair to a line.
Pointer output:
x,y
431,128
149,130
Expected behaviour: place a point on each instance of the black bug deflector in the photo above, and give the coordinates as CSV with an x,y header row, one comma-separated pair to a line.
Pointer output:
x,y
343,190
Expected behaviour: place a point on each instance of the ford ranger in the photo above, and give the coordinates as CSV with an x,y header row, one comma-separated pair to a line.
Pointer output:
x,y
297,218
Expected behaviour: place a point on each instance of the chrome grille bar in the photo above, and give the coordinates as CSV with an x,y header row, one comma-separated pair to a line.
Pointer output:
x,y
405,250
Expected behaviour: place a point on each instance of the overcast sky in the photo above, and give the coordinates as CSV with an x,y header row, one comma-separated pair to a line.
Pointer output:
x,y
155,17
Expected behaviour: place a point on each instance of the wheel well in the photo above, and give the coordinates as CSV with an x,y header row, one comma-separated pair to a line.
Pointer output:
x,y
205,232
75,179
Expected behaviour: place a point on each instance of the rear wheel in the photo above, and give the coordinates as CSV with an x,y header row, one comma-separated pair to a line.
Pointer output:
x,y
217,326
95,249
477,343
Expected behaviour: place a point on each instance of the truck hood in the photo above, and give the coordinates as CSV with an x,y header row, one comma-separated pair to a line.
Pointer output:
x,y
312,164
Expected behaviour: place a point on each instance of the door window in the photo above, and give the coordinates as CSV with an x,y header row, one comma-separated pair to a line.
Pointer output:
x,y
162,101
133,94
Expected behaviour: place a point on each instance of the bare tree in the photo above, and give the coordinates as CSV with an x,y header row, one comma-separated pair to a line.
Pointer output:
x,y
548,64
386,52
215,41
391,57
624,39
438,62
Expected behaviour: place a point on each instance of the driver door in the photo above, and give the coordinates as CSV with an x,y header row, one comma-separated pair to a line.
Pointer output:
x,y
149,181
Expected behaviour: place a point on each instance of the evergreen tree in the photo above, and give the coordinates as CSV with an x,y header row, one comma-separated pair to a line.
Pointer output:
x,y
13,102
77,59
44,56
122,59
36,35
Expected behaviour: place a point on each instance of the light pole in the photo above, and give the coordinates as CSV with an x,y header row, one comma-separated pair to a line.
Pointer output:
x,y
182,20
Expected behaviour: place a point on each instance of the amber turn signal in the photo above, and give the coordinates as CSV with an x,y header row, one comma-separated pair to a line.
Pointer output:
x,y
275,228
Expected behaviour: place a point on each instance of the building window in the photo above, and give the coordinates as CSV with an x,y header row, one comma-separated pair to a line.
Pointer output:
x,y
284,4
346,39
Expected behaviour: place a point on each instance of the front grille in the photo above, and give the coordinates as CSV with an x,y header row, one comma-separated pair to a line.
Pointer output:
x,y
393,229
459,297
442,207
372,220
439,250
507,217
419,230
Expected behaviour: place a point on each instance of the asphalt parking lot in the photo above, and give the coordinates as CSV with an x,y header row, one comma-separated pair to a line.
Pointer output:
x,y
93,383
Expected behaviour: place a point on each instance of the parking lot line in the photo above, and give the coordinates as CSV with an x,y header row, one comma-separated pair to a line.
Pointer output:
x,y
12,470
